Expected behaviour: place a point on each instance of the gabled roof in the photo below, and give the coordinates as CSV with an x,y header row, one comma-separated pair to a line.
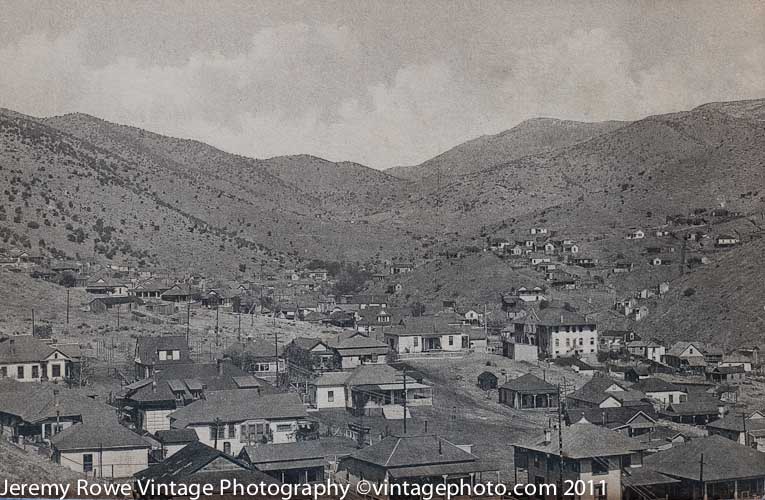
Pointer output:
x,y
293,455
595,390
189,466
177,436
147,348
35,403
654,384
705,406
724,459
25,349
734,421
308,343
238,406
359,342
106,433
529,383
256,348
407,451
585,441
678,348
376,375
611,417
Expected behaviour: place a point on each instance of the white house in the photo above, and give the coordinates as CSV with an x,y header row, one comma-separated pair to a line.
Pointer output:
x,y
427,334
660,390
29,359
102,448
229,420
358,349
635,235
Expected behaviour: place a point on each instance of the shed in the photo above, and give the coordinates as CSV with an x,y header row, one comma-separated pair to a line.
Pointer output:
x,y
487,381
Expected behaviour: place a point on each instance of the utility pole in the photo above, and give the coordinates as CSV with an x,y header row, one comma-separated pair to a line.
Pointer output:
x,y
67,308
701,477
188,320
217,336
560,442
118,316
33,322
404,399
239,332
217,429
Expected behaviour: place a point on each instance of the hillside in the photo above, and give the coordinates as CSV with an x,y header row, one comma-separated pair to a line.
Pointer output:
x,y
531,137
79,186
636,174
723,303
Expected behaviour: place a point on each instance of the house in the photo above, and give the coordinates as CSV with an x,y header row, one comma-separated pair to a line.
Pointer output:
x,y
358,349
589,453
706,467
318,274
623,267
155,353
372,319
199,464
556,331
538,230
498,244
100,305
726,374
527,392
631,421
615,340
299,463
149,289
661,390
660,260
401,268
106,286
100,448
427,334
586,262
369,390
648,349
424,459
635,235
696,411
604,392
148,402
576,365
35,412
637,372
487,381
311,354
180,293
174,440
29,359
228,420
685,356
744,428
726,240
261,358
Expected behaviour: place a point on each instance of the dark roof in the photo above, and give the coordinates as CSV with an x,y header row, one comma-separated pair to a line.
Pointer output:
x,y
654,384
407,451
24,349
735,422
147,347
376,375
237,406
585,441
594,391
307,343
487,375
693,407
529,383
573,361
724,459
103,433
188,466
37,402
176,436
255,348
610,417
293,455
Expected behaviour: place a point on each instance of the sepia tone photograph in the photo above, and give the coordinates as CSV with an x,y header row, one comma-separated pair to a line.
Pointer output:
x,y
384,249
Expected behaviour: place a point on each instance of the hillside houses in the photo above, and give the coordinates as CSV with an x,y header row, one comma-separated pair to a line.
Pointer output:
x,y
157,352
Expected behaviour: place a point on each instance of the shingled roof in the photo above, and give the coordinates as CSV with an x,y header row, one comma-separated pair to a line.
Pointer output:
x,y
585,441
35,403
724,460
95,434
654,384
147,348
25,349
529,383
238,406
405,451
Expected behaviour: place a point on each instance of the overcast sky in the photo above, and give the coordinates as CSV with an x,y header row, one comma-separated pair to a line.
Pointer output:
x,y
381,83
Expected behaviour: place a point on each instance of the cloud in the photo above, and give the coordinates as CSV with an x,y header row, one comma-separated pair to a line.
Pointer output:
x,y
399,96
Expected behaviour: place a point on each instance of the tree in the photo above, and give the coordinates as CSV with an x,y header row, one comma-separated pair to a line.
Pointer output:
x,y
67,280
418,309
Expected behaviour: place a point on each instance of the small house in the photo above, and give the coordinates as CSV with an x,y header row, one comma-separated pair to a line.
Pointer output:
x,y
528,392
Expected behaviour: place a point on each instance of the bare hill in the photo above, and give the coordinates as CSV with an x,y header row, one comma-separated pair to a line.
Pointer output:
x,y
538,135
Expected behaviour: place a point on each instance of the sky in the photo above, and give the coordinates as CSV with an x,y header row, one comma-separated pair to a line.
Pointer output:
x,y
382,83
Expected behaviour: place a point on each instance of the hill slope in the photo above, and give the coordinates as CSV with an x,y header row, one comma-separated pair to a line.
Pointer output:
x,y
530,137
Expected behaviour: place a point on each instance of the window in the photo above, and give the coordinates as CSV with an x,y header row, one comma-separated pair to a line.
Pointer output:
x,y
55,370
568,342
671,398
416,341
283,428
451,340
176,355
227,448
581,341
4,371
35,371
162,355
20,372
231,431
87,462
557,342
592,340
600,491
599,466
219,429
331,396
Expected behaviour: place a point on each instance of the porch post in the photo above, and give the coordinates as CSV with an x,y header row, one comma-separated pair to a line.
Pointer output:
x,y
735,489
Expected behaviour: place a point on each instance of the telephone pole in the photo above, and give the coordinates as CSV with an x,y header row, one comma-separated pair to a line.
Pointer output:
x,y
404,399
67,308
33,322
560,442
188,319
217,336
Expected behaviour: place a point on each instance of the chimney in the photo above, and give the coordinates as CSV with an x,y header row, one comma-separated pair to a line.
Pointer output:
x,y
721,411
12,345
548,436
440,448
55,397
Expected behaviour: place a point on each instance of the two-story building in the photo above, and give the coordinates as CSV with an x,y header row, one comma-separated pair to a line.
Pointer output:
x,y
230,420
357,349
157,352
556,331
592,454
